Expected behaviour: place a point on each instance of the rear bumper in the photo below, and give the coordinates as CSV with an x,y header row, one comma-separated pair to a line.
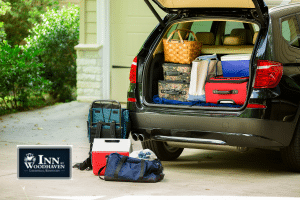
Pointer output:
x,y
232,131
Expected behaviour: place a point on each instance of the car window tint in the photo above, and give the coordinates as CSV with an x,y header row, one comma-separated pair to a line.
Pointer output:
x,y
290,31
202,26
232,25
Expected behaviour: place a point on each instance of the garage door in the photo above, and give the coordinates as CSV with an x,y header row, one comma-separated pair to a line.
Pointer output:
x,y
131,22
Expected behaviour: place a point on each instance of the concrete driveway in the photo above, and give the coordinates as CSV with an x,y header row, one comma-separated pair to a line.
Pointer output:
x,y
208,174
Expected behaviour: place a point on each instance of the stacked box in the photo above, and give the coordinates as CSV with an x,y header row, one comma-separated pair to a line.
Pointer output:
x,y
177,72
173,90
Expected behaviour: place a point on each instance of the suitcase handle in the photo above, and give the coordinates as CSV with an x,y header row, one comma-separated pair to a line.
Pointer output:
x,y
227,80
173,73
225,92
173,92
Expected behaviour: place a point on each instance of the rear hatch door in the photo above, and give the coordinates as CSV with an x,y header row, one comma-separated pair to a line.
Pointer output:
x,y
258,8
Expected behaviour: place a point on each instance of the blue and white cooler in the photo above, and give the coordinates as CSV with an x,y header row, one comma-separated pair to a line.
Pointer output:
x,y
236,65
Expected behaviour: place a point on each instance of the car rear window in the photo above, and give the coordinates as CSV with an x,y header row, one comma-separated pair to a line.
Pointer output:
x,y
202,26
232,25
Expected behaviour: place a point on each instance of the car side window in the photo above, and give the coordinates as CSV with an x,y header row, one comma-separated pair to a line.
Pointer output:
x,y
290,30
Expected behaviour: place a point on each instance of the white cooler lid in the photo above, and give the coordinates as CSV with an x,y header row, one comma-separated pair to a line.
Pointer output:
x,y
111,144
236,57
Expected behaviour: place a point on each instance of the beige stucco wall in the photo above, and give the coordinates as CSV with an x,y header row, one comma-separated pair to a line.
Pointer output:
x,y
89,54
88,20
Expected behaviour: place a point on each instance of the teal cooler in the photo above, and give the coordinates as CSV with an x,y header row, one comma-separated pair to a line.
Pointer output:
x,y
236,65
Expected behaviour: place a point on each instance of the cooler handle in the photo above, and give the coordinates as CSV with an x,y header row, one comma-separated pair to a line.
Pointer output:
x,y
112,141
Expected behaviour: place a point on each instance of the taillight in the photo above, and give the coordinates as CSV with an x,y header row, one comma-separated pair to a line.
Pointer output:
x,y
132,75
131,99
268,74
256,106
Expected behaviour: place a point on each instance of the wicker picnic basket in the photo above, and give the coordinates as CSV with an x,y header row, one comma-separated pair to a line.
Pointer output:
x,y
181,51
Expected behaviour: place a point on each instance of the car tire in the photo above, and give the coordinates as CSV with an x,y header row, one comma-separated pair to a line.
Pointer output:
x,y
162,150
291,154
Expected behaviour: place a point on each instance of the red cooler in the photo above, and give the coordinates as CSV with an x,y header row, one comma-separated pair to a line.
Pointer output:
x,y
105,146
226,90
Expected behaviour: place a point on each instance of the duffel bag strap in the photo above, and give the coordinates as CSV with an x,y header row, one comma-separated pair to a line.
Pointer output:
x,y
100,170
121,162
119,166
142,170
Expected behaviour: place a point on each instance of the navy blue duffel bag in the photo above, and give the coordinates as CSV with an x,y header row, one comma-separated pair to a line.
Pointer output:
x,y
124,168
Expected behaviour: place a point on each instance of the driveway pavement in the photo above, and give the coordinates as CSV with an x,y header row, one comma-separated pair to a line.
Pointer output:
x,y
208,174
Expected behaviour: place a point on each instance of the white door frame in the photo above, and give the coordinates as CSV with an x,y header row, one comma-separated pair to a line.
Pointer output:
x,y
103,38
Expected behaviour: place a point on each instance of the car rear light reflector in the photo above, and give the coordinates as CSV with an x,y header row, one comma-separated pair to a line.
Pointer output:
x,y
131,99
132,75
255,106
268,74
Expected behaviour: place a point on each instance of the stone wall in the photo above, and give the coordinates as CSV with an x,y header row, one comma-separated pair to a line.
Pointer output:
x,y
89,72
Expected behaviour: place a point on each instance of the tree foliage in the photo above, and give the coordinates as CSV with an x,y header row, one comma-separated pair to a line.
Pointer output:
x,y
56,37
4,8
20,78
22,16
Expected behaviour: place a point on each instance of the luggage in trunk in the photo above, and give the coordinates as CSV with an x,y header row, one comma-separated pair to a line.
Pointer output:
x,y
236,65
173,90
203,68
226,90
177,72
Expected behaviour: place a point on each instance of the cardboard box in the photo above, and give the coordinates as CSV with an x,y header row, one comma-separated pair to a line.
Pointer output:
x,y
105,146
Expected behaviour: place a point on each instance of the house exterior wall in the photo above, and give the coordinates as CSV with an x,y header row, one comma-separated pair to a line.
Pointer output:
x,y
89,54
131,22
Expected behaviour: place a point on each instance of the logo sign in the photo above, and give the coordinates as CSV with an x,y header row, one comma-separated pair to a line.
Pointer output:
x,y
44,162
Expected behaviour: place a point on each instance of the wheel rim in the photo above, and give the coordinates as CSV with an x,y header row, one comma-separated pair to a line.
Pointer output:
x,y
169,148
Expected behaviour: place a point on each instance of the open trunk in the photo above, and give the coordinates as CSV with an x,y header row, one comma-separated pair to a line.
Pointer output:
x,y
222,37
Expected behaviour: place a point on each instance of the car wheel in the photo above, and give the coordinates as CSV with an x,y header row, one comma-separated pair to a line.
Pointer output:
x,y
291,154
162,150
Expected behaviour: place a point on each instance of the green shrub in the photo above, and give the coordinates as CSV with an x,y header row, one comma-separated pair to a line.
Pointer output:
x,y
56,37
20,81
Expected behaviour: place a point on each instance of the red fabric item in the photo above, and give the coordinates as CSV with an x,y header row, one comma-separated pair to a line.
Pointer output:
x,y
99,160
220,89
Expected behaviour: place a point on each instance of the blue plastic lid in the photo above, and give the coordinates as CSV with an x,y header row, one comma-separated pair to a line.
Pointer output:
x,y
236,57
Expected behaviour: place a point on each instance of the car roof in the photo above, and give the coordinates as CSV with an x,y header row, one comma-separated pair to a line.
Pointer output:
x,y
283,10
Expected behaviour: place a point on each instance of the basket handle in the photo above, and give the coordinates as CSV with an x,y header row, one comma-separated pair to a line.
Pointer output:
x,y
178,31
